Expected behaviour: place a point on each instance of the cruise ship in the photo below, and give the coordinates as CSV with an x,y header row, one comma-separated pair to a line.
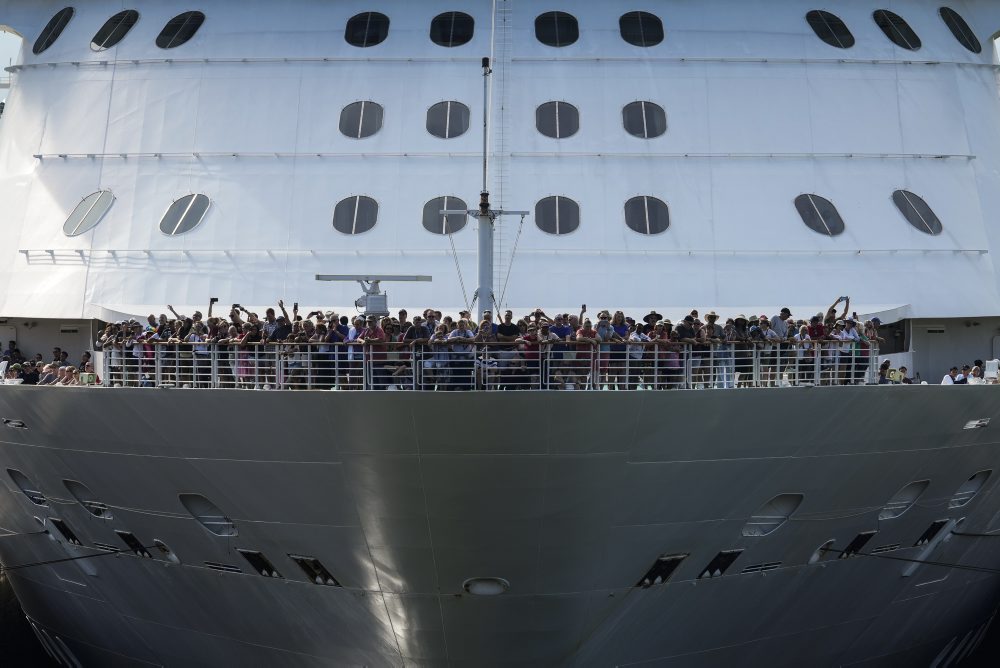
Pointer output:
x,y
727,155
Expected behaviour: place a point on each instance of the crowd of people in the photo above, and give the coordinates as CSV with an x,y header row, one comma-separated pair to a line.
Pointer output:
x,y
967,375
59,370
566,350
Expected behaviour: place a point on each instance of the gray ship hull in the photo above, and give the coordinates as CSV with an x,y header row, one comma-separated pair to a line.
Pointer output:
x,y
568,496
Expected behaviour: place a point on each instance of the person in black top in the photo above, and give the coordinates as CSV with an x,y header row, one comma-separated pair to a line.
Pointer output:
x,y
507,331
416,335
29,375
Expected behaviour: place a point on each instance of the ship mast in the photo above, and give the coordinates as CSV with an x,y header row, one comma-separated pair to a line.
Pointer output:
x,y
484,214
485,290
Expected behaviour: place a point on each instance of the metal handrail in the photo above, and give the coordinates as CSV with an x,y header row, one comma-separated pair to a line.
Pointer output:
x,y
488,366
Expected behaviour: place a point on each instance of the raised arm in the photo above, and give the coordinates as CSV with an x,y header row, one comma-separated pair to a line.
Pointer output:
x,y
847,307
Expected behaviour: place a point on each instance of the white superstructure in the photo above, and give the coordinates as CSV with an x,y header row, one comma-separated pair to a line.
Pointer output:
x,y
759,110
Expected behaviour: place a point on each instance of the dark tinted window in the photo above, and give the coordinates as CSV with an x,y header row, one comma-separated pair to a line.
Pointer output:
x,y
896,29
439,223
819,215
367,29
647,215
448,119
185,214
829,28
179,29
557,119
114,30
961,30
355,215
916,212
452,29
557,215
556,29
641,28
361,119
88,213
52,30
644,119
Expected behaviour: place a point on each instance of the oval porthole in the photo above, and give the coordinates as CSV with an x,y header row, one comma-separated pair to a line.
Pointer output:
x,y
772,515
208,515
641,28
557,215
917,212
452,29
448,120
114,30
355,214
444,223
52,30
367,29
960,29
87,499
830,28
179,30
29,488
88,213
185,214
903,500
820,215
486,586
647,215
822,552
897,29
359,120
969,489
556,29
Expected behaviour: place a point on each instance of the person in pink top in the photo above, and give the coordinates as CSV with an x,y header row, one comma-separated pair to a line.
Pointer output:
x,y
373,338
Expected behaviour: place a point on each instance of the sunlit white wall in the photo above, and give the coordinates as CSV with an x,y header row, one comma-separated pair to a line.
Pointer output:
x,y
735,237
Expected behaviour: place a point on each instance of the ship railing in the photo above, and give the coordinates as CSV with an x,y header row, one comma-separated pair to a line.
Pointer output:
x,y
431,365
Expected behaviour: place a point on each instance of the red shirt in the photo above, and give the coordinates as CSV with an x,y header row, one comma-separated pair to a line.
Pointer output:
x,y
375,333
817,332
530,346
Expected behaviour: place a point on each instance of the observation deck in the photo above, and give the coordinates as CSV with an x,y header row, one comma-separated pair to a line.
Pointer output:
x,y
486,367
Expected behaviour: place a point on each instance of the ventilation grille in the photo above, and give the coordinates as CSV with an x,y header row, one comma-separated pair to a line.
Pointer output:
x,y
857,544
314,570
260,563
761,568
133,544
932,531
718,566
661,570
66,532
225,568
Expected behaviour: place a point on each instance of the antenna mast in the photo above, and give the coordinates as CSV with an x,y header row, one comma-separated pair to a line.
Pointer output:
x,y
484,215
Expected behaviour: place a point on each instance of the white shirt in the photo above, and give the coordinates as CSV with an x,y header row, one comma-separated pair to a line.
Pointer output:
x,y
947,380
804,347
849,336
637,351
